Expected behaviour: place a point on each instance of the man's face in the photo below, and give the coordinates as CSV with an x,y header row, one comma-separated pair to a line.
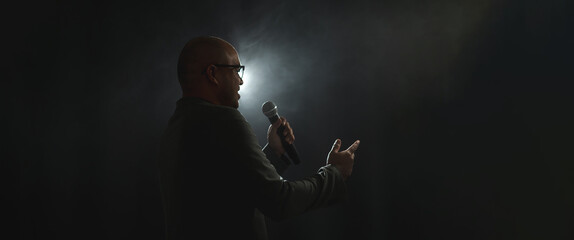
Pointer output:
x,y
230,82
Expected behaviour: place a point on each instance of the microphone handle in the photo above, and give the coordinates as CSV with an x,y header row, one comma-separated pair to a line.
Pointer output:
x,y
289,148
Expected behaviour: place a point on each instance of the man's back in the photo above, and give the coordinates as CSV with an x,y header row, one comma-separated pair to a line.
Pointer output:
x,y
204,191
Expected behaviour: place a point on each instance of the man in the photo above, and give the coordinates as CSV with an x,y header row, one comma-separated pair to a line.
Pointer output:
x,y
217,182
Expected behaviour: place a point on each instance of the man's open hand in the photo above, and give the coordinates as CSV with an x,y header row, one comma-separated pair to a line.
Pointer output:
x,y
343,160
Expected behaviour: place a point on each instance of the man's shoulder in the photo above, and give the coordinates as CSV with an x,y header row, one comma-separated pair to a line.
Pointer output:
x,y
221,123
190,104
199,110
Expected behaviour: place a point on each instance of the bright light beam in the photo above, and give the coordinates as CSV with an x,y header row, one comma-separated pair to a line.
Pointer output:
x,y
255,88
251,83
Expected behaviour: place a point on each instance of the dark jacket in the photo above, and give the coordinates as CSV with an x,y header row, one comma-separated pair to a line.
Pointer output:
x,y
216,180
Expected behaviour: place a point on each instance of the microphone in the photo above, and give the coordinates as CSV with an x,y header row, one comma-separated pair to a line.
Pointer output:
x,y
270,110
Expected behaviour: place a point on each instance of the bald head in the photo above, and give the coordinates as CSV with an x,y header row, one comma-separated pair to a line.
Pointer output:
x,y
199,53
207,70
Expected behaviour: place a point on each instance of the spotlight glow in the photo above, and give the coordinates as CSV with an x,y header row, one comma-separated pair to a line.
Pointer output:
x,y
251,83
261,78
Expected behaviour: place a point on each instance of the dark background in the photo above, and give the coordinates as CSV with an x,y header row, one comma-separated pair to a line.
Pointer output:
x,y
464,110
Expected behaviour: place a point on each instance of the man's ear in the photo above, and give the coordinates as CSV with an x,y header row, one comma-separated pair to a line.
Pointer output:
x,y
210,72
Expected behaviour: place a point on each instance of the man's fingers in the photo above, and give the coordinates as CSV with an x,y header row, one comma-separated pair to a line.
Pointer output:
x,y
276,124
288,131
353,147
336,145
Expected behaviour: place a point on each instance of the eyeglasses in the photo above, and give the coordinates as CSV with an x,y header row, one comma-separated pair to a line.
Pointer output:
x,y
239,68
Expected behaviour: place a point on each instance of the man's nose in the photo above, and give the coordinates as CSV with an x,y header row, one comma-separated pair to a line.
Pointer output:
x,y
240,81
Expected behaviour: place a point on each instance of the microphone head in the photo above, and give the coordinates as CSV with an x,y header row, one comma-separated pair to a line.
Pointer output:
x,y
269,109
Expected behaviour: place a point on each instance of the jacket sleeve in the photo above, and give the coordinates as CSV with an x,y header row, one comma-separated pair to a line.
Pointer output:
x,y
277,198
